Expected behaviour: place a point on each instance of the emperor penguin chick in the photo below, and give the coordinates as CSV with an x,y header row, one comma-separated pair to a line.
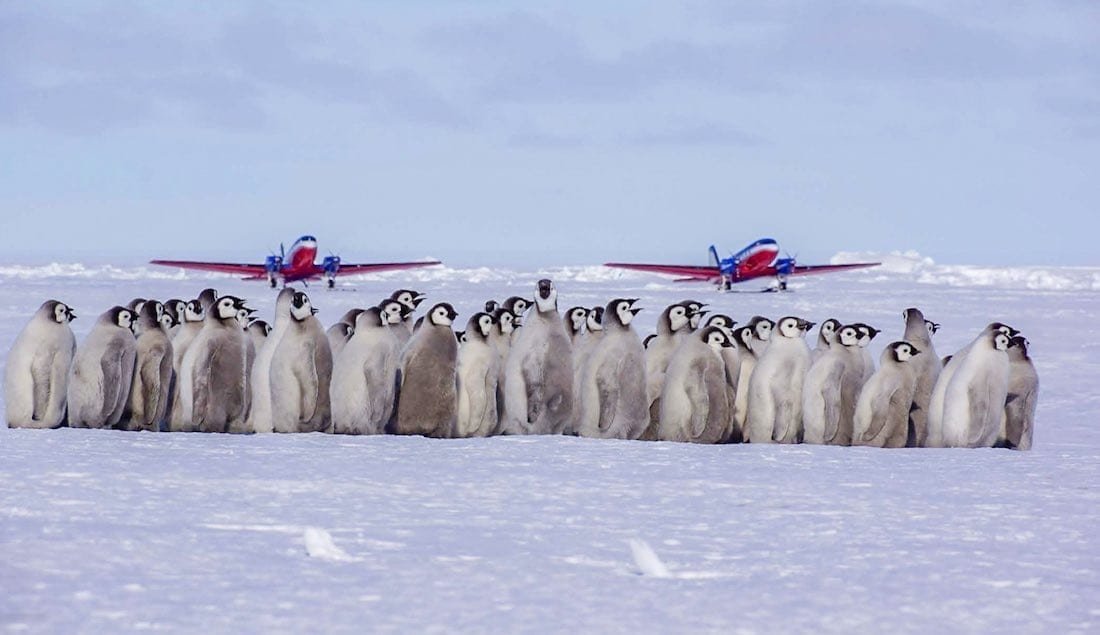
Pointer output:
x,y
826,335
177,308
775,388
99,384
36,375
936,422
150,389
574,320
926,367
613,389
831,390
427,401
583,346
301,372
1023,397
731,357
258,331
410,300
695,403
259,413
477,380
883,409
213,374
973,403
673,326
193,318
866,334
538,384
751,341
338,335
364,377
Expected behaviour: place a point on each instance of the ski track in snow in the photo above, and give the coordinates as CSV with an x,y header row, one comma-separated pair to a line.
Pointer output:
x,y
105,531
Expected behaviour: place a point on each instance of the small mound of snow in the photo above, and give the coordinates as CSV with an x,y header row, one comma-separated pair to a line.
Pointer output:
x,y
649,564
319,544
924,270
893,262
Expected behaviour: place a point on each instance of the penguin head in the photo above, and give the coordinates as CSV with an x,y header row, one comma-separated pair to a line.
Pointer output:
x,y
460,336
848,336
300,307
1019,346
744,336
695,312
575,319
479,326
373,317
648,338
675,317
932,327
344,329
791,326
828,330
193,312
176,307
762,328
121,317
504,320
1001,341
621,311
227,307
1003,328
408,297
866,333
168,320
903,351
392,311
350,317
546,296
59,312
517,305
150,312
207,297
260,328
716,338
491,306
595,319
135,305
722,321
912,314
442,314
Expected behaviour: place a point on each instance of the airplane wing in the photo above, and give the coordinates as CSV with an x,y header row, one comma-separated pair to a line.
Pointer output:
x,y
810,269
377,267
686,272
257,271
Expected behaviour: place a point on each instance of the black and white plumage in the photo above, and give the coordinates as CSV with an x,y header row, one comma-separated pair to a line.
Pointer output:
x,y
1022,399
613,389
301,372
695,401
775,388
99,384
885,403
926,366
477,372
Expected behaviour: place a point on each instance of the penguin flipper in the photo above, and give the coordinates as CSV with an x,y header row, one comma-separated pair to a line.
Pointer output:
x,y
111,367
881,408
979,402
609,400
40,380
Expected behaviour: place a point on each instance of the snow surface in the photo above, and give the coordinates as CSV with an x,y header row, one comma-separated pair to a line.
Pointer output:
x,y
104,531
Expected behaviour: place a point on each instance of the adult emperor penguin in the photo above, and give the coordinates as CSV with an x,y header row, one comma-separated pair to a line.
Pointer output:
x,y
775,388
477,380
695,400
926,367
301,372
364,376
214,390
973,403
826,335
538,383
951,364
673,326
427,401
194,315
36,375
613,382
831,390
151,386
259,416
883,410
99,384
338,335
574,320
1023,396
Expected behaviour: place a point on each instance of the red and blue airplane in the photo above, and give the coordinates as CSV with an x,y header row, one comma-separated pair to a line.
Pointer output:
x,y
758,260
297,265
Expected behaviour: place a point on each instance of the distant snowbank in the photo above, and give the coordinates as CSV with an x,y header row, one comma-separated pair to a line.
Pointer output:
x,y
909,264
924,270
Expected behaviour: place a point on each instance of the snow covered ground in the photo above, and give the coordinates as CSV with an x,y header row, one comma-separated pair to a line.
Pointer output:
x,y
113,531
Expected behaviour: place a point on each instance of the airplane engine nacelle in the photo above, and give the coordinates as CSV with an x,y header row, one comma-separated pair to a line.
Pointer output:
x,y
331,264
272,264
784,266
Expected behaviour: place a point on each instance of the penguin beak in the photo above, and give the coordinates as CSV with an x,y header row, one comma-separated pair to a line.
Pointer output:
x,y
914,350
452,314
805,325
313,310
635,311
72,316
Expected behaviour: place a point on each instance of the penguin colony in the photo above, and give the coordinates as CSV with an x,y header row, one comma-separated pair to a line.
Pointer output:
x,y
519,367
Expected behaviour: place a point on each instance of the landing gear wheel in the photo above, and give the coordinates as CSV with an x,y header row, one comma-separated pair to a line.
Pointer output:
x,y
331,283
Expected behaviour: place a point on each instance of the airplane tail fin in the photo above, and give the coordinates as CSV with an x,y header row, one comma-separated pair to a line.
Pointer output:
x,y
714,259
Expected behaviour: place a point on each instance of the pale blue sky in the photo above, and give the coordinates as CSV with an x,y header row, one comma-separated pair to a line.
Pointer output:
x,y
501,133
